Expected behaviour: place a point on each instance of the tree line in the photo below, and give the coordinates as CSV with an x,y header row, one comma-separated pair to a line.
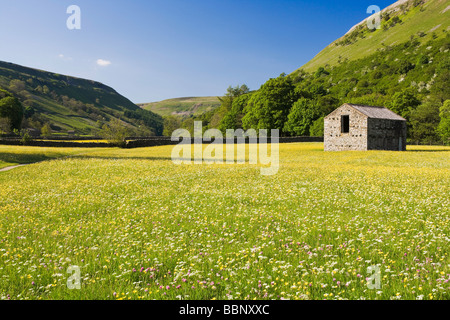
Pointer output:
x,y
412,79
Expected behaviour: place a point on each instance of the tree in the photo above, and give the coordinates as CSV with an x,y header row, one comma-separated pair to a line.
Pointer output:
x,y
227,104
171,123
373,99
115,132
17,86
5,126
232,93
404,102
269,107
424,122
404,67
303,113
317,128
321,72
233,119
327,104
25,137
444,125
11,108
46,130
441,88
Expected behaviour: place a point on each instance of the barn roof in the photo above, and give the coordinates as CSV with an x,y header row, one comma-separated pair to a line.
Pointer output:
x,y
377,112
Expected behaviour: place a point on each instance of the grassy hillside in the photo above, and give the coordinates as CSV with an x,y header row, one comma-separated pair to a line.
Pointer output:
x,y
398,66
183,107
68,103
423,19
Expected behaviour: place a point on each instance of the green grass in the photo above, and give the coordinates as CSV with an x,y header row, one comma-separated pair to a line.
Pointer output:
x,y
183,106
13,155
413,22
140,227
71,103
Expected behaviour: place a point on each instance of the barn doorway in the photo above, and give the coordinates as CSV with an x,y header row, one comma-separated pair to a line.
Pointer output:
x,y
345,124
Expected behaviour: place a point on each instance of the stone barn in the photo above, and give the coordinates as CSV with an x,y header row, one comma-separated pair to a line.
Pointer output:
x,y
357,127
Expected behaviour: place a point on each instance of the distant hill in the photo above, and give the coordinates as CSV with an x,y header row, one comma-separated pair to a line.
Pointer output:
x,y
183,107
73,104
424,19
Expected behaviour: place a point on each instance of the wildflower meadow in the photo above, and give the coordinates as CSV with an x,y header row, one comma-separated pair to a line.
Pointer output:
x,y
138,226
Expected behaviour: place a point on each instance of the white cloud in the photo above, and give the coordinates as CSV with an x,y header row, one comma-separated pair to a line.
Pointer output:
x,y
64,58
103,63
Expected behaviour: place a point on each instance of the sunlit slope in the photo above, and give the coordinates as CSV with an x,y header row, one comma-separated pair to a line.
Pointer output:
x,y
421,19
182,106
69,103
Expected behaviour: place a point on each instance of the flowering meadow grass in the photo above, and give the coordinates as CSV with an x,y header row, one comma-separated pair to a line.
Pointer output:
x,y
140,227
13,155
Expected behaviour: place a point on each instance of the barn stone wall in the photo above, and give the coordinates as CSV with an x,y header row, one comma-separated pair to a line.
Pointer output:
x,y
386,134
356,139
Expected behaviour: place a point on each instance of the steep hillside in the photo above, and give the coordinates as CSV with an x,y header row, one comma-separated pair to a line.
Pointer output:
x,y
183,107
410,76
67,103
424,19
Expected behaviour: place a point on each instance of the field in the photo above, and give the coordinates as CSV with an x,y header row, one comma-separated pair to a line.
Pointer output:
x,y
12,155
140,227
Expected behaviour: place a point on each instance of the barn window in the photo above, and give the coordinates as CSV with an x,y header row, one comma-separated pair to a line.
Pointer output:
x,y
345,124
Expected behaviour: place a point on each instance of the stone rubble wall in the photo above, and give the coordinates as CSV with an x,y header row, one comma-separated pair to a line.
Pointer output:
x,y
356,139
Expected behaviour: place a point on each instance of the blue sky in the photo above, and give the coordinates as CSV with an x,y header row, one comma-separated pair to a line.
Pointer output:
x,y
150,50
